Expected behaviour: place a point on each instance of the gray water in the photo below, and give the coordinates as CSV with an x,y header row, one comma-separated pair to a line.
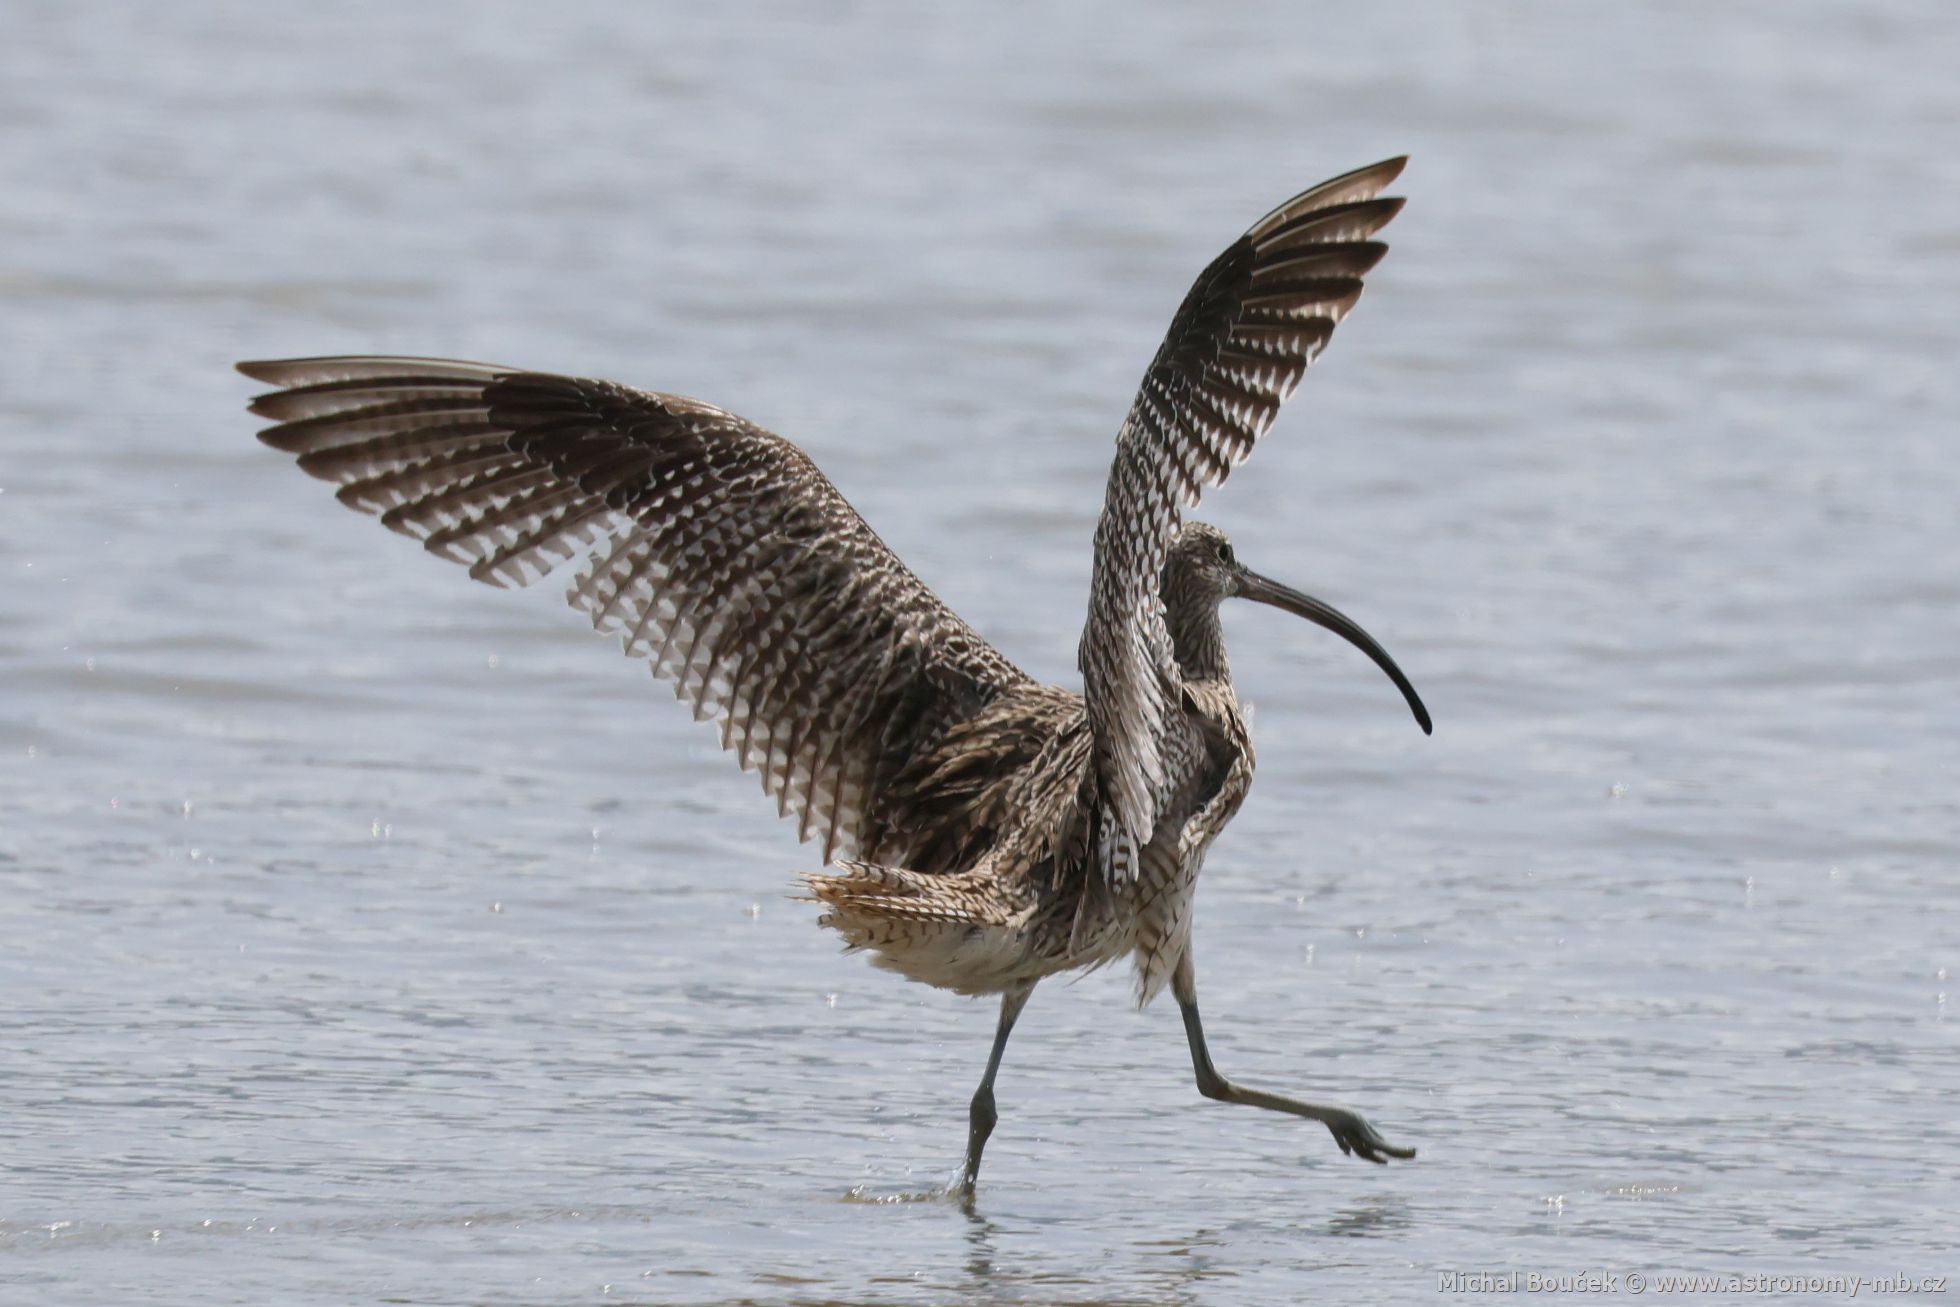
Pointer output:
x,y
370,935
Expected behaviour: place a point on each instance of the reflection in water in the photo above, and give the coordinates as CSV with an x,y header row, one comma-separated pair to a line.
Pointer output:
x,y
980,1254
1371,1218
1169,1271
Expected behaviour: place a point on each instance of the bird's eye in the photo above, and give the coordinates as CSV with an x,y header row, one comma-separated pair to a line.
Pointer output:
x,y
1224,553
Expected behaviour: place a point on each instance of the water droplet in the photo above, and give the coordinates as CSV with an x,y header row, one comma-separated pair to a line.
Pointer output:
x,y
1940,974
114,802
493,662
830,1000
1617,790
753,911
188,808
155,1235
1309,955
497,907
88,664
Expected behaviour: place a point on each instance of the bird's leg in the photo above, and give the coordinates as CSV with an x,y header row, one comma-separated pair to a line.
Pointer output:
x,y
1350,1131
981,1116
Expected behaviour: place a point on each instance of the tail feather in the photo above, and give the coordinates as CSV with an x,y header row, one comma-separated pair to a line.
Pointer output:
x,y
865,888
960,931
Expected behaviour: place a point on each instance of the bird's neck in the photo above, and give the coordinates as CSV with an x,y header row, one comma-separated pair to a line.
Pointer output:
x,y
1199,642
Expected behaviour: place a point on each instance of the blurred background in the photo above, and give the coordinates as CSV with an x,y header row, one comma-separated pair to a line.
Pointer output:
x,y
370,934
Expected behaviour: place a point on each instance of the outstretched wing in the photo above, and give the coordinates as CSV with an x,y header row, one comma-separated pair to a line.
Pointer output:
x,y
1239,344
712,548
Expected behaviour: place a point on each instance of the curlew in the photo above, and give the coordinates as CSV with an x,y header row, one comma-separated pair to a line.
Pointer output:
x,y
981,831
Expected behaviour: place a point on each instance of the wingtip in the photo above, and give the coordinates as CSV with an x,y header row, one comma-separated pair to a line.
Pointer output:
x,y
1381,176
336,368
1359,186
1375,175
1382,173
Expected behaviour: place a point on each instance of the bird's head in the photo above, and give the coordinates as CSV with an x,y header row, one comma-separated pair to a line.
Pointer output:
x,y
1202,571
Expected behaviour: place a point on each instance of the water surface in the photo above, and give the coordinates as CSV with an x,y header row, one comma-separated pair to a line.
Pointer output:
x,y
371,935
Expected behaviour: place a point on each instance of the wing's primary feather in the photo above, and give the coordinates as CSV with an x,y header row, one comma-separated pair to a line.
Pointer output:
x,y
714,549
1238,345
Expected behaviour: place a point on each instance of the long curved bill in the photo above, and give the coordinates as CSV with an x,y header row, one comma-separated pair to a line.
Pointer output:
x,y
1267,591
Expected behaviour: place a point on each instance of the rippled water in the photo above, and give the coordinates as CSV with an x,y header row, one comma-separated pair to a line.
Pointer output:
x,y
372,935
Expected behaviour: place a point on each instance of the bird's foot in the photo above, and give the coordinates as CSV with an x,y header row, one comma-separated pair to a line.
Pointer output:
x,y
1358,1139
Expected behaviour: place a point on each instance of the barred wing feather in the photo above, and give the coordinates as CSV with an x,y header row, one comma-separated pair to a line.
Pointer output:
x,y
1238,345
712,548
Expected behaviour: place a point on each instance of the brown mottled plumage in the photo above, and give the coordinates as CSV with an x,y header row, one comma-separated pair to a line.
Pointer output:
x,y
986,831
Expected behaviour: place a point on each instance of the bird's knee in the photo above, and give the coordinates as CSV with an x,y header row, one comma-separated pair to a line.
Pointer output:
x,y
981,1114
1214,1086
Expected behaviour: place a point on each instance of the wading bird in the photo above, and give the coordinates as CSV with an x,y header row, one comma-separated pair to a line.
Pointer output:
x,y
983,830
